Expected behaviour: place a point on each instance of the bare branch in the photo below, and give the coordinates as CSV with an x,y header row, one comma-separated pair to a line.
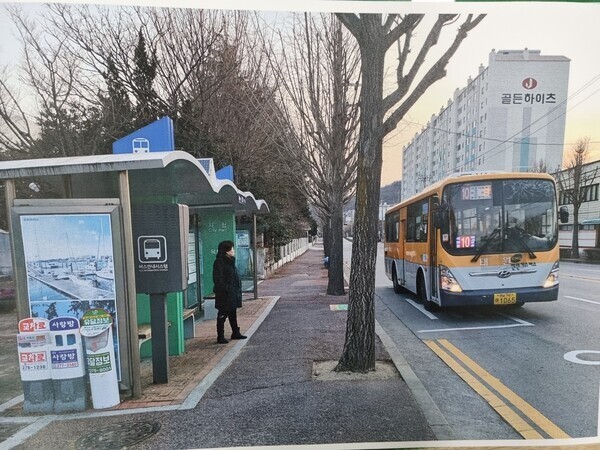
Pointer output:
x,y
435,73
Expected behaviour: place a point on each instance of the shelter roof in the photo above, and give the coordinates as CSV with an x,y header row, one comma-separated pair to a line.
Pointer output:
x,y
175,173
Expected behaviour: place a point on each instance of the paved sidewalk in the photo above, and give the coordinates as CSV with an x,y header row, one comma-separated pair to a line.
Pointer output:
x,y
263,391
269,394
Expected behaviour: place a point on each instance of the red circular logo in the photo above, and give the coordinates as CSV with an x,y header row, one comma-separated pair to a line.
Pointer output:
x,y
529,83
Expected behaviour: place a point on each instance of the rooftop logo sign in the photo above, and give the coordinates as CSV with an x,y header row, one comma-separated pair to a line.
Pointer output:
x,y
529,83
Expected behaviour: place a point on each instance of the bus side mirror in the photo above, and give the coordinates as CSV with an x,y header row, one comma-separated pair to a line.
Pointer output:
x,y
563,214
440,216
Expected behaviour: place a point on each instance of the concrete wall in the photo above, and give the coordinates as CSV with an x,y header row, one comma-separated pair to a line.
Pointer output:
x,y
287,253
5,258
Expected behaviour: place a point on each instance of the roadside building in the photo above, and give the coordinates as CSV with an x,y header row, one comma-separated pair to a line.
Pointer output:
x,y
510,117
589,211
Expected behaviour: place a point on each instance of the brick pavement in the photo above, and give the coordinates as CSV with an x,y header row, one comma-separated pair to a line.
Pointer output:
x,y
186,371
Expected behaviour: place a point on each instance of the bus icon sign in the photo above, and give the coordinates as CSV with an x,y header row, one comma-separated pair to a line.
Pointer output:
x,y
152,249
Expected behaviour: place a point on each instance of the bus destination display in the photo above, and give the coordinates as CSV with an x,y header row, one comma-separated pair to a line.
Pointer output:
x,y
480,192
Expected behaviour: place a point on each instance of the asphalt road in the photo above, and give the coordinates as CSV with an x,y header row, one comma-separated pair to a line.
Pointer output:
x,y
543,359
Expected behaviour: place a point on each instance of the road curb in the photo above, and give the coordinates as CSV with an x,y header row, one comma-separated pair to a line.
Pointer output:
x,y
435,419
434,416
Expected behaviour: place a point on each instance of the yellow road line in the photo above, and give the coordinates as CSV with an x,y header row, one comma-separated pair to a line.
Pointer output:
x,y
529,411
513,419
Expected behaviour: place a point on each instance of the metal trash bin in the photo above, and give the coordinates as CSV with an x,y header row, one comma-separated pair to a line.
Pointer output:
x,y
34,363
68,367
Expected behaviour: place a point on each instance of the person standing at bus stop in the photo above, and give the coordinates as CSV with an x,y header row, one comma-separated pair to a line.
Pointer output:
x,y
228,291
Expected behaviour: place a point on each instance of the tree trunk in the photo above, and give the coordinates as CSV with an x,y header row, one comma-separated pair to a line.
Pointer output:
x,y
335,284
575,242
327,237
359,349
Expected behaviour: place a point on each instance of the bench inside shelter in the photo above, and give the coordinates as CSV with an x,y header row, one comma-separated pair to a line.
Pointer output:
x,y
189,327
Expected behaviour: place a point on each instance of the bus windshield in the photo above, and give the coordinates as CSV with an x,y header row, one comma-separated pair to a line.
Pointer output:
x,y
500,216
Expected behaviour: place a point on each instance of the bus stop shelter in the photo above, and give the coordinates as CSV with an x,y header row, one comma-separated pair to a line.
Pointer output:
x,y
114,185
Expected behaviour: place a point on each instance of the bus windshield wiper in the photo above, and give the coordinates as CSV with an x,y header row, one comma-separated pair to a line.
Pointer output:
x,y
486,242
518,237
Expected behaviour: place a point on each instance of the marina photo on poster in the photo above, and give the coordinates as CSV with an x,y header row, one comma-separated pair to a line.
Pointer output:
x,y
70,265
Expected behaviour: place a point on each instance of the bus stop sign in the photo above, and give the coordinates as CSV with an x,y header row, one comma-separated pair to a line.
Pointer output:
x,y
160,234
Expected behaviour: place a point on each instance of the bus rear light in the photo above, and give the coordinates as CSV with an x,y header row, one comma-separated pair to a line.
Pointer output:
x,y
552,279
447,280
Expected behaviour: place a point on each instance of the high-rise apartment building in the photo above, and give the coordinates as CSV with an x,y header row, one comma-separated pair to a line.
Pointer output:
x,y
511,117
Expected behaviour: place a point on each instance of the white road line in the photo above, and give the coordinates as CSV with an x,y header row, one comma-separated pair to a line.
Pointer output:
x,y
420,308
516,319
582,300
526,324
22,435
595,280
12,402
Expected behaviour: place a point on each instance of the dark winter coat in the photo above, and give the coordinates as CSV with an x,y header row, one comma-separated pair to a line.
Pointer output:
x,y
228,285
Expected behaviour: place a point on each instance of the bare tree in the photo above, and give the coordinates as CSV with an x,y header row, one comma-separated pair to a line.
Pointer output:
x,y
541,166
50,75
574,183
317,73
380,114
87,71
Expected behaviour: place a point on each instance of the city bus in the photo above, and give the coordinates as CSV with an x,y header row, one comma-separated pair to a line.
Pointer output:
x,y
477,239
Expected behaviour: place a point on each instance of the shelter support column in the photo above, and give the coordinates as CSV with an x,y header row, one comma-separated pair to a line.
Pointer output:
x,y
134,351
255,256
10,194
160,338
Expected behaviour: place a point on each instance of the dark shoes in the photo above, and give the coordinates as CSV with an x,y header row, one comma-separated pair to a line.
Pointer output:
x,y
237,335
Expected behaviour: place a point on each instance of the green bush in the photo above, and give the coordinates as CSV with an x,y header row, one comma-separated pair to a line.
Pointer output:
x,y
592,254
565,253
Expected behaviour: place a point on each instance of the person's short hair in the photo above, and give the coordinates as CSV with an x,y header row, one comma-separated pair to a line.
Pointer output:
x,y
224,247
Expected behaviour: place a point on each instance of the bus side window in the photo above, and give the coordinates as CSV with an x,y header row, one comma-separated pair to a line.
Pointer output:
x,y
411,226
424,220
391,227
416,222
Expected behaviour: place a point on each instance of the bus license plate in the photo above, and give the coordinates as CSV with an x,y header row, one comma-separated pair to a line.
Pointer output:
x,y
505,299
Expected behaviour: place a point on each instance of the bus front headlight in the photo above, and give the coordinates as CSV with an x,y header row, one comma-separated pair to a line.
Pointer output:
x,y
552,279
447,280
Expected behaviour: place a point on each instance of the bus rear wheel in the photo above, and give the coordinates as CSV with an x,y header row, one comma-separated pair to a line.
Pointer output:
x,y
397,287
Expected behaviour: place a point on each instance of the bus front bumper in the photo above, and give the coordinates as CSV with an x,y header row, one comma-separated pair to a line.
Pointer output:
x,y
488,297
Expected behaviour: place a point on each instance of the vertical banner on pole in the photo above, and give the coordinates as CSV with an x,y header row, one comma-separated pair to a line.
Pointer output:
x,y
96,328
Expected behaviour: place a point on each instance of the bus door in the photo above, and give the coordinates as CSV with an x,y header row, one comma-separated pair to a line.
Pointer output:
x,y
401,241
433,205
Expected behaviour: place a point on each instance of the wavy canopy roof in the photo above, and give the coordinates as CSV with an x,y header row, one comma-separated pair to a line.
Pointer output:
x,y
161,174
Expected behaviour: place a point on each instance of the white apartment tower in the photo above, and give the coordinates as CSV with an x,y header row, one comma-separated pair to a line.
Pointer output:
x,y
510,117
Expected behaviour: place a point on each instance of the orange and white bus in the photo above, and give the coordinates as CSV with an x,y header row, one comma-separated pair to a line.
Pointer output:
x,y
477,239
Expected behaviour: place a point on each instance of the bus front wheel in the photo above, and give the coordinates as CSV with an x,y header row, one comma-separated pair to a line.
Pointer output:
x,y
422,294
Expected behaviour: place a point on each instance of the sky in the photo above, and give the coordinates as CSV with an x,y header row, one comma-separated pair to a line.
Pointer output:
x,y
86,234
567,29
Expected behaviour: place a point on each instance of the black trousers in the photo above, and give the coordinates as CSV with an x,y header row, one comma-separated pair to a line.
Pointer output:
x,y
222,317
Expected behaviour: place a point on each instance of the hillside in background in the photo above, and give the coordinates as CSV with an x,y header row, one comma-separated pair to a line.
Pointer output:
x,y
389,194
